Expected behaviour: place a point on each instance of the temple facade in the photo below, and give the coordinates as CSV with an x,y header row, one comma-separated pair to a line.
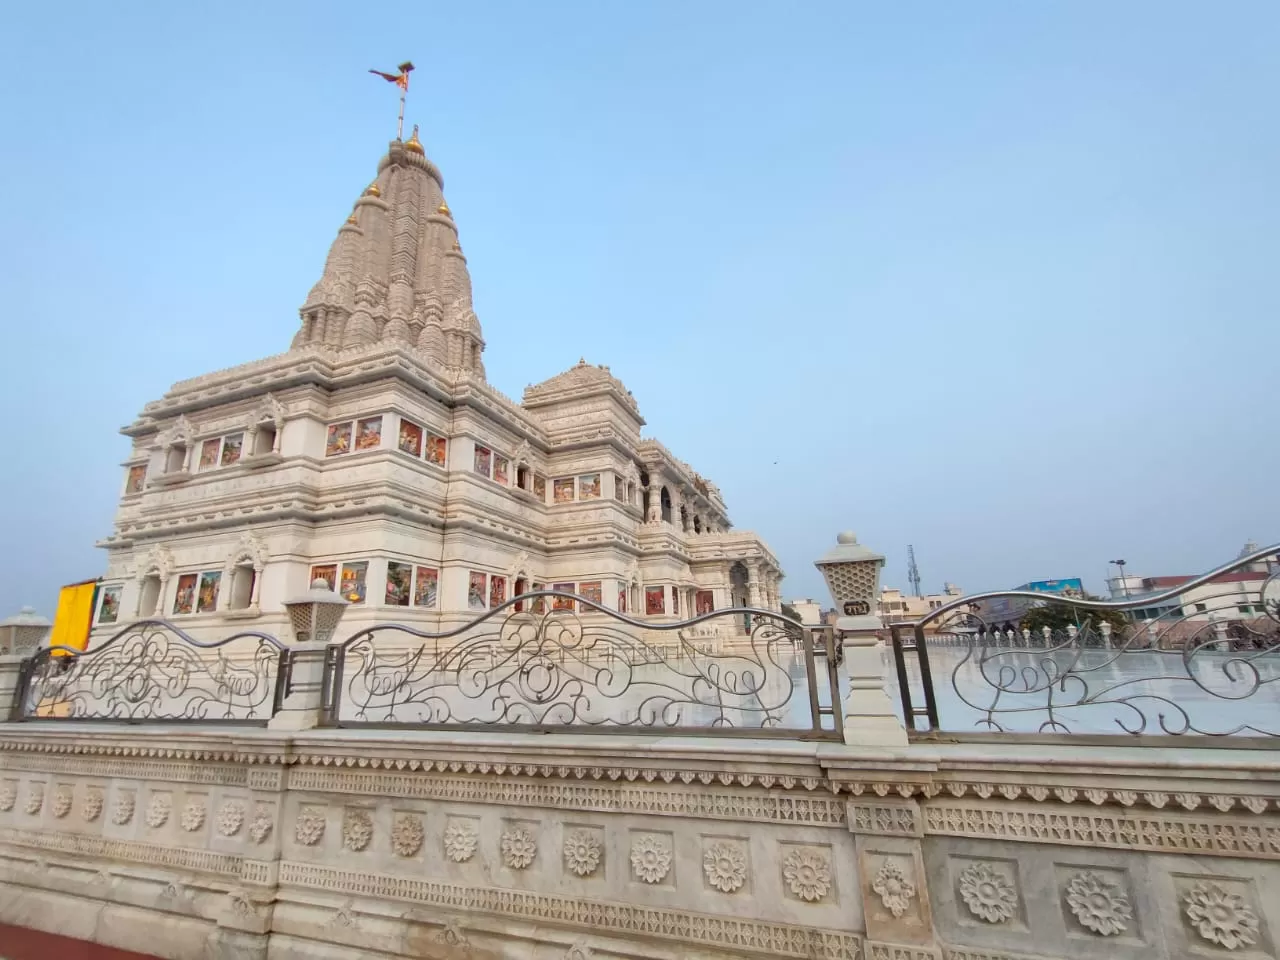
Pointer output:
x,y
374,455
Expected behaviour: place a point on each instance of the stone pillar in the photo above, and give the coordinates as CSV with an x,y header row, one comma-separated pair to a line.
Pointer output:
x,y
869,715
655,500
301,709
754,598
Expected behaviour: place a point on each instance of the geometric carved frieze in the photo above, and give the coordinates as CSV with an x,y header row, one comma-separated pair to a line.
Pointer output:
x,y
133,769
1255,838
722,932
898,951
149,854
885,818
633,799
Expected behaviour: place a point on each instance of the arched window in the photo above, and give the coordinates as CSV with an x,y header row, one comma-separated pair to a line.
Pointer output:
x,y
697,524
242,578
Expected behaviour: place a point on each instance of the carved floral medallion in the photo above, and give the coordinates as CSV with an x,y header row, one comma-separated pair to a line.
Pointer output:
x,y
725,866
309,827
91,806
230,818
122,812
460,841
406,835
1220,916
157,812
193,815
62,800
808,874
518,848
1098,903
987,894
8,796
582,852
262,825
35,798
357,830
651,858
894,889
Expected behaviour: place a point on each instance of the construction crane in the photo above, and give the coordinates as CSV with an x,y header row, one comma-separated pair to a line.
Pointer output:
x,y
913,572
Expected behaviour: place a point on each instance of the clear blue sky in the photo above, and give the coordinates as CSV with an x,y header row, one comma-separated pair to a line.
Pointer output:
x,y
996,279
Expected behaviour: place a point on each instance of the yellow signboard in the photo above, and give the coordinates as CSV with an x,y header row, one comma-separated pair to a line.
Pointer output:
x,y
74,617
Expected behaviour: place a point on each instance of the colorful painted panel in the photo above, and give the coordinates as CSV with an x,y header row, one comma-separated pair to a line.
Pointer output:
x,y
589,486
207,597
497,591
563,490
184,600
369,433
501,468
562,603
410,440
706,602
540,487
655,600
328,572
231,448
591,590
109,605
209,453
338,439
484,461
475,591
137,477
424,594
619,489
399,584
622,600
675,601
353,581
539,603
435,449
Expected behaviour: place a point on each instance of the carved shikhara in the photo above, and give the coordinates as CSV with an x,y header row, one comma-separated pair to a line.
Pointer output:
x,y
759,936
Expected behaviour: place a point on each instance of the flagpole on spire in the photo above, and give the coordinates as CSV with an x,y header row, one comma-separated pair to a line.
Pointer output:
x,y
401,80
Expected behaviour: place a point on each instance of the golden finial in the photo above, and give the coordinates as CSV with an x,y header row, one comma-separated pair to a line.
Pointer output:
x,y
444,209
413,144
352,220
373,190
457,246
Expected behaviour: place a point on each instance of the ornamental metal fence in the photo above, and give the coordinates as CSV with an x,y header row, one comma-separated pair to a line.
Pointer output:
x,y
549,661
1201,657
153,672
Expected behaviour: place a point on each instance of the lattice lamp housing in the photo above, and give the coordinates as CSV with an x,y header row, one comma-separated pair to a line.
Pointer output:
x,y
852,573
314,616
23,633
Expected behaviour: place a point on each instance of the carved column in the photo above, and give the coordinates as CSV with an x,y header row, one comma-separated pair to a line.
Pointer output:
x,y
753,585
655,500
257,584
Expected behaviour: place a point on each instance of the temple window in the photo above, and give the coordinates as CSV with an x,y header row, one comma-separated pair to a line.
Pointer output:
x,y
705,602
591,590
197,593
175,458
697,524
522,477
666,505
562,490
399,589
352,584
264,439
477,593
589,486
149,596
221,451
520,589
242,581
134,480
619,490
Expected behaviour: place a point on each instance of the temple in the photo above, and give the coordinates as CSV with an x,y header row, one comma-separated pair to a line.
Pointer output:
x,y
374,455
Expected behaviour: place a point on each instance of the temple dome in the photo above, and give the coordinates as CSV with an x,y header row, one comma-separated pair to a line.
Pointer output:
x,y
398,252
580,379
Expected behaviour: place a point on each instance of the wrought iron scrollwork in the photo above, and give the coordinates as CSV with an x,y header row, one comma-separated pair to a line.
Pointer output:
x,y
589,668
153,671
1207,664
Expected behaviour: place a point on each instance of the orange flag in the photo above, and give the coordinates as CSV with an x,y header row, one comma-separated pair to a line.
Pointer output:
x,y
401,79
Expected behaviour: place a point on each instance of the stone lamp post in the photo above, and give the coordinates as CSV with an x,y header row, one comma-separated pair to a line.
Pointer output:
x,y
314,616
852,572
